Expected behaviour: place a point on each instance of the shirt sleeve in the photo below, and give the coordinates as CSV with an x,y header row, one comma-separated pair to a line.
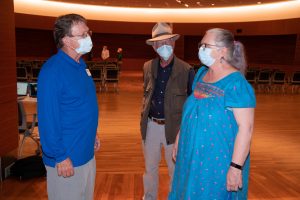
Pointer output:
x,y
190,81
240,94
50,130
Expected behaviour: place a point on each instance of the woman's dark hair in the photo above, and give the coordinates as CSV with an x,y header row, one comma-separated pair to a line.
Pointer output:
x,y
236,53
63,26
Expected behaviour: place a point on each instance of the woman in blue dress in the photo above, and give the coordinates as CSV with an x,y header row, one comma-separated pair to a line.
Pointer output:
x,y
212,148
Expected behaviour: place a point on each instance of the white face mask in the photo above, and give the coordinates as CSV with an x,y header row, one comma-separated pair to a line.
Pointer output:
x,y
85,45
205,57
165,51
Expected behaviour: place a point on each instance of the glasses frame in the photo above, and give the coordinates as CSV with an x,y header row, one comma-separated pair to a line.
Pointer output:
x,y
206,45
84,35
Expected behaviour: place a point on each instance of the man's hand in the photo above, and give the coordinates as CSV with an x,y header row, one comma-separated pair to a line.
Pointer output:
x,y
175,147
65,168
97,143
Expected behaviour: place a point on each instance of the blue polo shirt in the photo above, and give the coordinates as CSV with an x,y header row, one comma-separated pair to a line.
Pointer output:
x,y
67,111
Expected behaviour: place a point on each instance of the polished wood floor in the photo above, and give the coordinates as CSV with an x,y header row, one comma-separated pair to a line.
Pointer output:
x,y
275,164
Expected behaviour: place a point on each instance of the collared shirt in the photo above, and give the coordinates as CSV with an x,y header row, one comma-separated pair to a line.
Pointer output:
x,y
67,111
157,101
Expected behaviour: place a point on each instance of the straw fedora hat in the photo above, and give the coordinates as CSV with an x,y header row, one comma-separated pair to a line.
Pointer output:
x,y
162,31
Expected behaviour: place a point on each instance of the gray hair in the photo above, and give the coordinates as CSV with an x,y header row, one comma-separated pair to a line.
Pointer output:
x,y
236,55
63,25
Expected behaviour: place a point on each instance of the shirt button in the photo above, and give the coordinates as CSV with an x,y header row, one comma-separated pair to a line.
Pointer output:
x,y
159,102
161,92
162,81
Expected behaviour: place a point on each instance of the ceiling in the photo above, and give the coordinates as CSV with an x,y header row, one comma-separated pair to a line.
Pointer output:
x,y
134,10
172,3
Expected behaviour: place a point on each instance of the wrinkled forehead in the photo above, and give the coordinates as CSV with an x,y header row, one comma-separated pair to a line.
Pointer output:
x,y
79,28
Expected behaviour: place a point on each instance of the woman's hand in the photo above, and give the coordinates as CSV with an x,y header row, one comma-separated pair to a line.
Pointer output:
x,y
234,179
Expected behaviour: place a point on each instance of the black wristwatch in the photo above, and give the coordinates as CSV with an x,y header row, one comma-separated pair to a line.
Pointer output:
x,y
232,164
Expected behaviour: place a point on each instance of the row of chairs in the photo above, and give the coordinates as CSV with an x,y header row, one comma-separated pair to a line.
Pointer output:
x,y
28,71
103,73
270,81
273,81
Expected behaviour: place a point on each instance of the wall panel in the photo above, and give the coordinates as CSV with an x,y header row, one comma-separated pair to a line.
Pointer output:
x,y
297,51
277,27
8,96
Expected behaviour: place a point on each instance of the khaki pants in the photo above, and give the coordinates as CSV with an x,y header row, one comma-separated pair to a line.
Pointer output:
x,y
155,139
77,187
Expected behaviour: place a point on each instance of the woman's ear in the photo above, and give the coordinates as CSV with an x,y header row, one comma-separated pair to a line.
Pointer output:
x,y
223,52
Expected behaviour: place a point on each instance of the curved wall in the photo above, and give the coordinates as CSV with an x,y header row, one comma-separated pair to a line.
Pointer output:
x,y
267,43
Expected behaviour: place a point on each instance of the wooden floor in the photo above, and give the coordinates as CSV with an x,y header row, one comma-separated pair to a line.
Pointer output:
x,y
275,151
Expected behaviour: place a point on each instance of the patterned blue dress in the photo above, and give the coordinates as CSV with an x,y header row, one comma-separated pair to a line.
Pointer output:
x,y
207,135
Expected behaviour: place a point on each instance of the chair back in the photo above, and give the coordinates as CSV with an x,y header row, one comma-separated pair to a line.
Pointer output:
x,y
22,116
279,77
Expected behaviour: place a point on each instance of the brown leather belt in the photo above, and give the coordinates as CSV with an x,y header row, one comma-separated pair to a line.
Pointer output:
x,y
158,121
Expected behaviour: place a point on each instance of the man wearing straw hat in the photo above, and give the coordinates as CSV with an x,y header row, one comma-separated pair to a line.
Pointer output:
x,y
167,83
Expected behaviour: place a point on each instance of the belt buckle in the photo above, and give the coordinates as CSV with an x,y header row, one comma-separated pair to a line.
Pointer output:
x,y
158,121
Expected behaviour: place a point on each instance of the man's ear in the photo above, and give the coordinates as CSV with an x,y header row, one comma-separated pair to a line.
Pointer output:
x,y
65,41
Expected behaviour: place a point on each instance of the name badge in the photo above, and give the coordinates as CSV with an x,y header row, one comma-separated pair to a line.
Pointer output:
x,y
88,72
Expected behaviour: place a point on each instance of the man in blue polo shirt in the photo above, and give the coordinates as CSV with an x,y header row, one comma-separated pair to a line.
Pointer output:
x,y
68,113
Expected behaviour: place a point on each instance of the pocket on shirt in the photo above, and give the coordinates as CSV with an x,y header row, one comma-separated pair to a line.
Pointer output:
x,y
178,98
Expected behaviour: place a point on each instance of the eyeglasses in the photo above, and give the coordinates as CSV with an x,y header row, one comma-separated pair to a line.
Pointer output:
x,y
84,35
205,45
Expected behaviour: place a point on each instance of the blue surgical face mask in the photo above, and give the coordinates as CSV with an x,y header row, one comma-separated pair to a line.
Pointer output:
x,y
165,51
85,45
205,57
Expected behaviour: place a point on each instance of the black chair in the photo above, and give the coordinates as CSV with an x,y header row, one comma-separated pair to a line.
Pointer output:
x,y
35,73
90,64
97,74
26,66
26,128
278,82
264,80
251,77
22,74
295,81
111,75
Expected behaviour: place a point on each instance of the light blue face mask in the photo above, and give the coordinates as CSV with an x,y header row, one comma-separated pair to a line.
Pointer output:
x,y
205,57
165,51
85,45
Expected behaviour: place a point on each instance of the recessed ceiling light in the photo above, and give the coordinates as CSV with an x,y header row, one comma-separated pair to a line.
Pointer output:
x,y
179,1
186,5
259,2
212,4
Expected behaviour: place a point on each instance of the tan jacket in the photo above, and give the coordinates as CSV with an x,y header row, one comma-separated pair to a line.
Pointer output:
x,y
175,96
